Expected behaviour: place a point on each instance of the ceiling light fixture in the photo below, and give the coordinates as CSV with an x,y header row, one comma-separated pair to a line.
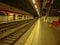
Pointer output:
x,y
35,6
34,1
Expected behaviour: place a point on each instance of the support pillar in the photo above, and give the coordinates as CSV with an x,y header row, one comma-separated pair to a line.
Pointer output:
x,y
14,17
23,17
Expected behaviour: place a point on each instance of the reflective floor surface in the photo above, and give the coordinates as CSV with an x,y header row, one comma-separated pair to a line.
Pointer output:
x,y
43,34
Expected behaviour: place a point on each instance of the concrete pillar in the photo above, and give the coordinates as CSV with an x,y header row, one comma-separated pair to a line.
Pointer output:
x,y
14,17
26,17
23,17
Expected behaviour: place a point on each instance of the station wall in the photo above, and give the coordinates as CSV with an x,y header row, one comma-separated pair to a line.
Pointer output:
x,y
13,14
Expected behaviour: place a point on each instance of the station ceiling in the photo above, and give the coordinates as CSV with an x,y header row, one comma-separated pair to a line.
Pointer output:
x,y
26,6
55,8
22,5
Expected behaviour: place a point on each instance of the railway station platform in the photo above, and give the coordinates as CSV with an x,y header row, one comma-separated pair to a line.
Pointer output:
x,y
29,32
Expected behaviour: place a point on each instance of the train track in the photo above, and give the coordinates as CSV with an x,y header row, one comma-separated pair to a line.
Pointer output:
x,y
13,37
2,30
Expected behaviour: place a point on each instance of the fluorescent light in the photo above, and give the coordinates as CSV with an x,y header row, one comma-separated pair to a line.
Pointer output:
x,y
11,13
37,12
35,6
33,1
58,11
